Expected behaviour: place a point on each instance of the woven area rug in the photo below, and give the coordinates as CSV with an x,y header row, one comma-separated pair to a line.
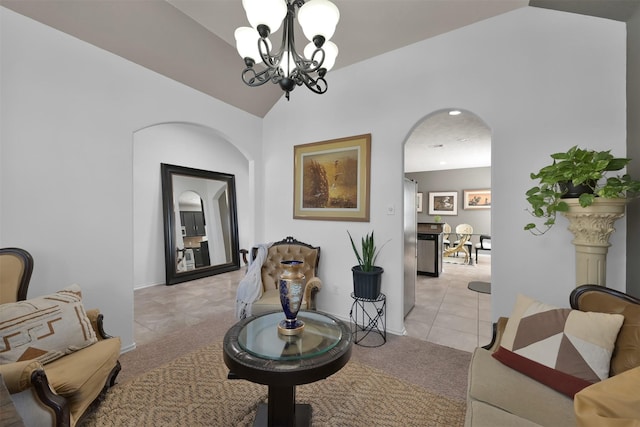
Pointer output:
x,y
193,390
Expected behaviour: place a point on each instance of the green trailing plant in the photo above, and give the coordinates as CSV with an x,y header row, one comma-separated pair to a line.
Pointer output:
x,y
366,259
578,168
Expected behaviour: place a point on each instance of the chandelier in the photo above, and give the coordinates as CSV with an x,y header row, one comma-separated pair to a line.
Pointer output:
x,y
285,66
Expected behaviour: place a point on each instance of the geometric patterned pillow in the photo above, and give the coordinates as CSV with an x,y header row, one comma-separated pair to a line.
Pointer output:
x,y
562,348
44,328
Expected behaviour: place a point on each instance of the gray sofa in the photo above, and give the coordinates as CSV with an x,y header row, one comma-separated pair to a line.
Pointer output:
x,y
500,396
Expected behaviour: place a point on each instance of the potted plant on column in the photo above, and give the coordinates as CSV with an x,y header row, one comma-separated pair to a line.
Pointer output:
x,y
577,174
577,185
367,277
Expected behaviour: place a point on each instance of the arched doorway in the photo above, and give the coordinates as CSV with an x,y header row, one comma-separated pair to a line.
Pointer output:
x,y
448,154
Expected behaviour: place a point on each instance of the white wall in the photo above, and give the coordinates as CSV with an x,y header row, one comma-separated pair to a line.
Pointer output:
x,y
542,81
69,113
179,144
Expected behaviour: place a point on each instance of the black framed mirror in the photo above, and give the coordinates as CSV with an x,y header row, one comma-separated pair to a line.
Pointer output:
x,y
200,223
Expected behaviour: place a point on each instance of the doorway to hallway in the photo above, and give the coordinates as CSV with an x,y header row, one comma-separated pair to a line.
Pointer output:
x,y
449,153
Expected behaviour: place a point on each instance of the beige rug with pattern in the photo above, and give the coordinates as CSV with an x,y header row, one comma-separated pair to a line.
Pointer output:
x,y
193,390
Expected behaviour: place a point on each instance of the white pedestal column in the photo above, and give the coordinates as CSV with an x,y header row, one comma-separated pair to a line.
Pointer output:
x,y
592,227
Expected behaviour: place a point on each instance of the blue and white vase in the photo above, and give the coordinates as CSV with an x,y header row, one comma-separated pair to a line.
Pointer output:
x,y
291,287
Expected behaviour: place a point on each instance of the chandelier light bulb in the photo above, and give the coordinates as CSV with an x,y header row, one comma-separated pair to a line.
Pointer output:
x,y
318,18
247,43
330,54
265,12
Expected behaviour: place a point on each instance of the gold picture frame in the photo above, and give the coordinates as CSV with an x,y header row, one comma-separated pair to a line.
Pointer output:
x,y
477,199
331,179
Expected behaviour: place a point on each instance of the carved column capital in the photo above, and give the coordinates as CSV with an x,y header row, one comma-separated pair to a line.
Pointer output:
x,y
592,227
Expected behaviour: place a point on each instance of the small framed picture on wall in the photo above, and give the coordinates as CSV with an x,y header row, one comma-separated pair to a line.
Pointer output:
x,y
477,199
419,202
443,203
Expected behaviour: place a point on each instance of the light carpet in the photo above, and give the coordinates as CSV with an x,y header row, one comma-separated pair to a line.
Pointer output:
x,y
193,390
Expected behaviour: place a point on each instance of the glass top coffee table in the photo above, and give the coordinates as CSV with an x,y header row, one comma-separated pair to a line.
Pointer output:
x,y
253,350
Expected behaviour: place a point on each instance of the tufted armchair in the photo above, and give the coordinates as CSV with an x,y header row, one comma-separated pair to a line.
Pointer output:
x,y
288,249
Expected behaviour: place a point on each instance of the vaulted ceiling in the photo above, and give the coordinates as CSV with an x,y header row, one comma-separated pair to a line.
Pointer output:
x,y
191,41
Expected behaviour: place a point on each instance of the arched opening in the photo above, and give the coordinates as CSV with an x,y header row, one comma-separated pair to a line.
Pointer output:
x,y
199,147
447,161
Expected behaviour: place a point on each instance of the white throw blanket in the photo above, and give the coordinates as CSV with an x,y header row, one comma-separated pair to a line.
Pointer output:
x,y
250,287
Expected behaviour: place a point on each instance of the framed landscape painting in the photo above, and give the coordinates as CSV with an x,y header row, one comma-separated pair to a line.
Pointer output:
x,y
443,203
332,178
477,199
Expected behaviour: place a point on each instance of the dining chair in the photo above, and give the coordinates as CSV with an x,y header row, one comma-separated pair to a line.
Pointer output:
x,y
446,231
463,242
484,245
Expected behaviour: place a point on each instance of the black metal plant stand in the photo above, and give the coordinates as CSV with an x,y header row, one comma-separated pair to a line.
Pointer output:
x,y
369,316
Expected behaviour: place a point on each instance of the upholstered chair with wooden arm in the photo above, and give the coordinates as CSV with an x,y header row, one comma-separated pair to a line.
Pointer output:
x,y
54,378
16,266
288,249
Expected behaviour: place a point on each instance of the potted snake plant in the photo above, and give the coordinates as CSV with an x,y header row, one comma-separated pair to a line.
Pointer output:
x,y
367,277
576,174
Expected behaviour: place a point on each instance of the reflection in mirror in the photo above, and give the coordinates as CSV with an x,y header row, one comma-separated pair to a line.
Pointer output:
x,y
200,220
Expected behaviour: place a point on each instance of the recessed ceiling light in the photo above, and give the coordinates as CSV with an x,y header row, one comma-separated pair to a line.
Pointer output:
x,y
455,112
443,162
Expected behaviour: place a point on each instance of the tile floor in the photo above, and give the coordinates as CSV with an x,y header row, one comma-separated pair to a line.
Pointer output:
x,y
161,309
446,312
